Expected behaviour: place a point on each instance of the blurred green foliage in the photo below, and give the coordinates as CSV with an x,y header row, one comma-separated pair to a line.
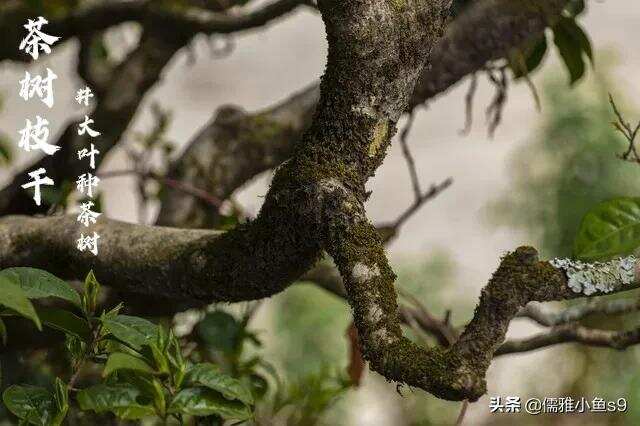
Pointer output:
x,y
562,173
144,373
310,335
566,169
310,328
111,368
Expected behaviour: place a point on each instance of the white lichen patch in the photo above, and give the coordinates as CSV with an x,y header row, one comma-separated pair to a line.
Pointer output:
x,y
331,185
374,313
382,337
598,277
362,273
366,109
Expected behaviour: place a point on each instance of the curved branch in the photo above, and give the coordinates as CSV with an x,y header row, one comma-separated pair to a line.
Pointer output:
x,y
191,21
231,150
316,202
519,279
175,22
236,146
116,107
243,264
549,318
181,264
572,333
123,92
320,191
486,31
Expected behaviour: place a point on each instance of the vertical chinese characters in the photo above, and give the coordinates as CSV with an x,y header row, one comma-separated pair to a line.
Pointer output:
x,y
90,154
83,96
38,86
89,243
35,135
87,182
36,182
36,40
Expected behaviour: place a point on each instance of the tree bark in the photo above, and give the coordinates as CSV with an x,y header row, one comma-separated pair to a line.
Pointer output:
x,y
236,146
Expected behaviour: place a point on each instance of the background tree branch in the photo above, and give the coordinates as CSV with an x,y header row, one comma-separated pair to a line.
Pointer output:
x,y
267,137
249,144
121,93
316,203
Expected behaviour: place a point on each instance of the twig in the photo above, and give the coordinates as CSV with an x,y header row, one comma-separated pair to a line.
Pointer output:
x,y
463,411
572,333
433,192
495,108
627,131
172,183
411,164
548,318
522,65
468,104
418,315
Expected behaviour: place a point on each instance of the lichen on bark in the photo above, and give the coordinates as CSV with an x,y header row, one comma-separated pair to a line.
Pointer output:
x,y
598,277
377,50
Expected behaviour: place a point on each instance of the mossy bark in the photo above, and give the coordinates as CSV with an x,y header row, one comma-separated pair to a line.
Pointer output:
x,y
377,50
165,31
237,146
486,31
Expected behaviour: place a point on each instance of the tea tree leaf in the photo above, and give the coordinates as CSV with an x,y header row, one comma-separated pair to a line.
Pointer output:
x,y
90,296
34,405
201,401
611,229
123,361
37,284
124,400
13,297
209,375
134,331
65,321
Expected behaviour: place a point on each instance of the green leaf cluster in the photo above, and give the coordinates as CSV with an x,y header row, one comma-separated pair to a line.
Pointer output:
x,y
144,372
572,43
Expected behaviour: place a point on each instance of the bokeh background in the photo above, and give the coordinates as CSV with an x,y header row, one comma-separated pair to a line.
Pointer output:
x,y
529,184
